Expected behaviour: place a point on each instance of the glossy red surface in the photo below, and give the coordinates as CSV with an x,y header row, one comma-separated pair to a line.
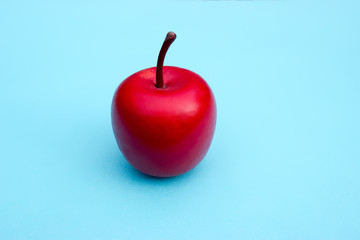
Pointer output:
x,y
166,131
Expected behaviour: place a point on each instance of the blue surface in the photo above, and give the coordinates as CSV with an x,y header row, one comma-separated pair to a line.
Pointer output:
x,y
285,159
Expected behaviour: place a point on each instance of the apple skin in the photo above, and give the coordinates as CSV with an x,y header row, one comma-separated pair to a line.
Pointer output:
x,y
164,132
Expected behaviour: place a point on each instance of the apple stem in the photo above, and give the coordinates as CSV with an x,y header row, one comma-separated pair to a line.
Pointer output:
x,y
170,38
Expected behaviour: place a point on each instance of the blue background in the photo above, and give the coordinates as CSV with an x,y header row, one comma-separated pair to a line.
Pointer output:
x,y
284,162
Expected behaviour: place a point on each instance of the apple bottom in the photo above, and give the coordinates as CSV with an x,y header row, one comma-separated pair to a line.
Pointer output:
x,y
169,159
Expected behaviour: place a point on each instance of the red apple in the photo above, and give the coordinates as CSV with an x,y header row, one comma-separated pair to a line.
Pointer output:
x,y
164,118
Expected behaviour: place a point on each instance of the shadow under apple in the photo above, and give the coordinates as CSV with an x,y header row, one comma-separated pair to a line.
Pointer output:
x,y
117,166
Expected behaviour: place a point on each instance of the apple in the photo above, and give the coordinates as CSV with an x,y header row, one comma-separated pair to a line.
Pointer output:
x,y
164,118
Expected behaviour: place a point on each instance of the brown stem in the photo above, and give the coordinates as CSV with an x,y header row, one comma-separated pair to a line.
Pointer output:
x,y
170,38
